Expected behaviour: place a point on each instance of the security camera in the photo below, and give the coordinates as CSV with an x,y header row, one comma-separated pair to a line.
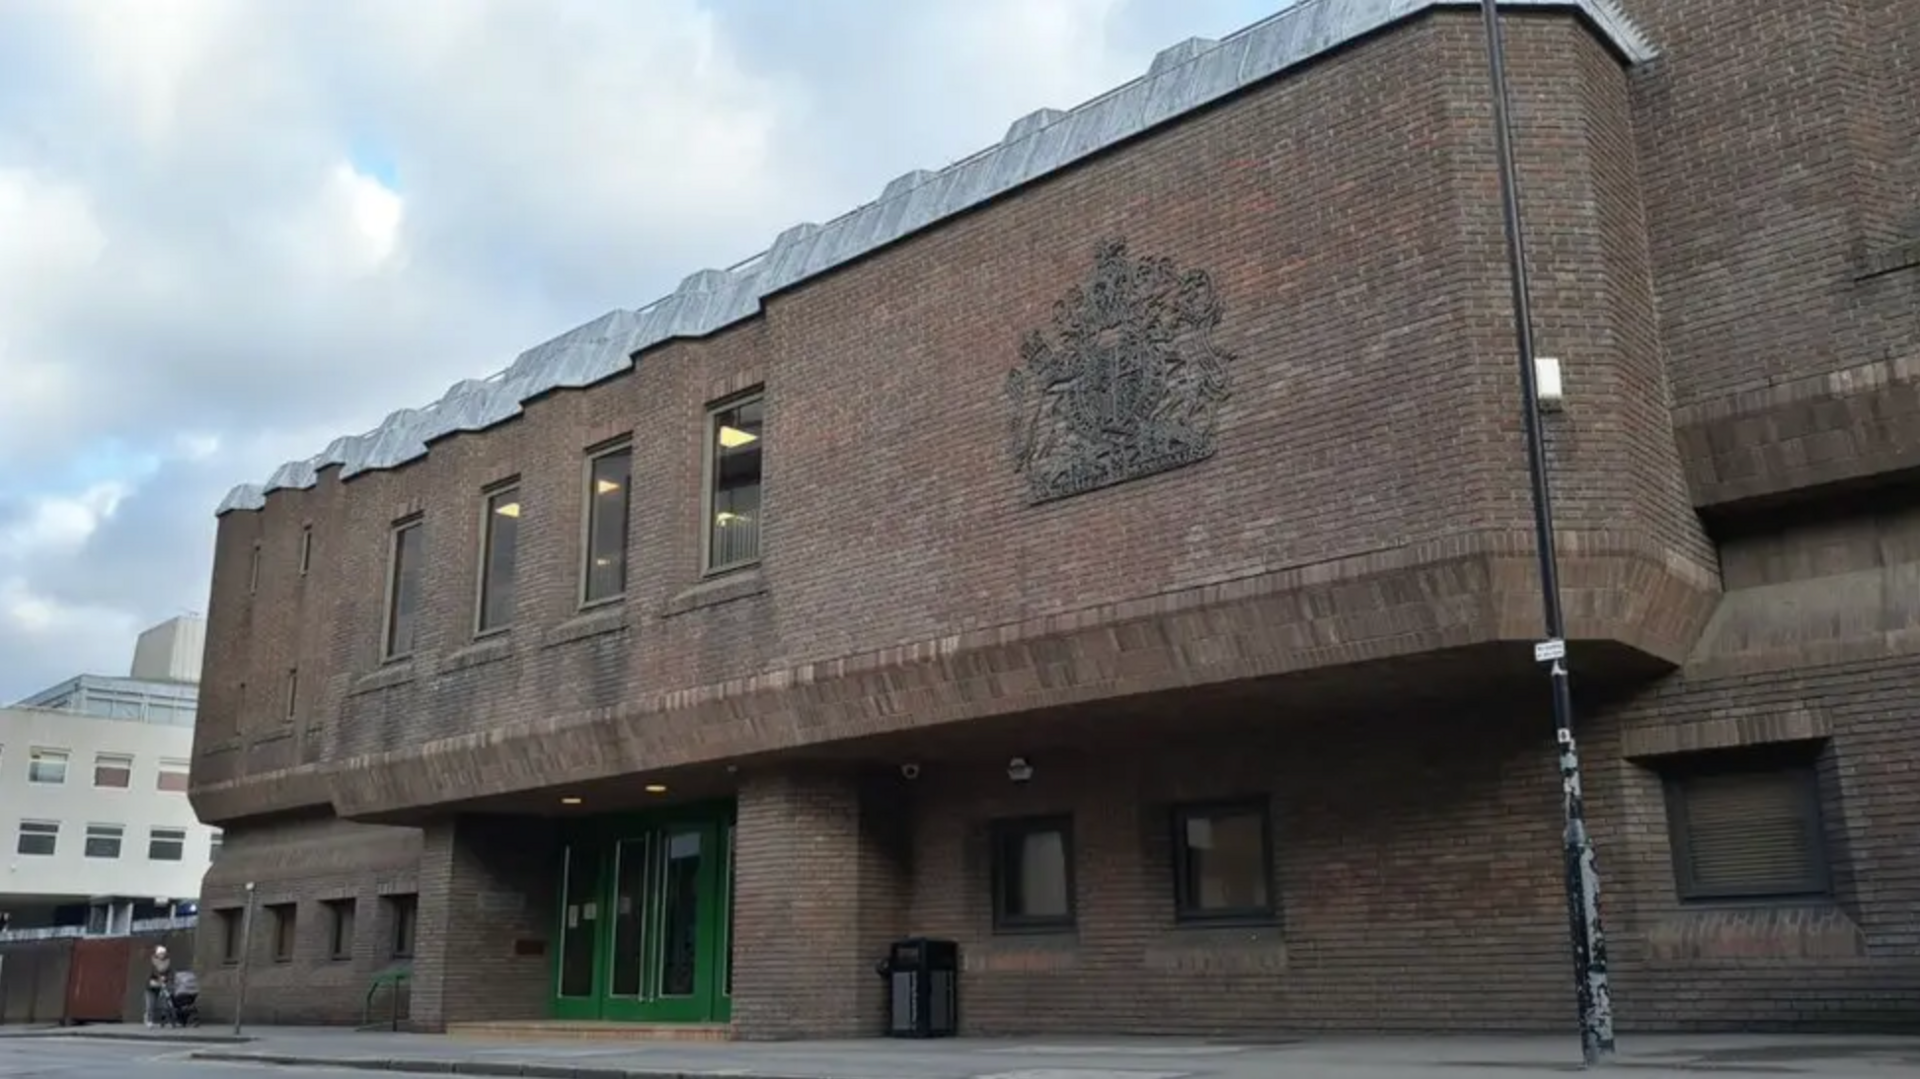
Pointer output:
x,y
1019,770
909,771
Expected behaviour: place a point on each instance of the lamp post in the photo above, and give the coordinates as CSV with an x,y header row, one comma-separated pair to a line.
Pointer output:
x,y
246,956
1582,878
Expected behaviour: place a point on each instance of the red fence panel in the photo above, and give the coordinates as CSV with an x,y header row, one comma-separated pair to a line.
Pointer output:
x,y
97,979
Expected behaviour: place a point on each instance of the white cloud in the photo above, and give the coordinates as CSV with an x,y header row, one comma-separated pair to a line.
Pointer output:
x,y
91,639
49,237
231,231
60,524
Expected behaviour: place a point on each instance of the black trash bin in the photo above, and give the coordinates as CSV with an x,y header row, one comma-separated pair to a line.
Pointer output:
x,y
923,983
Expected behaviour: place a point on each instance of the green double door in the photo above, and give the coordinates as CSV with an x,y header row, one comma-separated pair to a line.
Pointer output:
x,y
646,919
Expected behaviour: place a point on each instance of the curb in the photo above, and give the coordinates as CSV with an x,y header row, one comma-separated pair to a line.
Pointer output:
x,y
429,1066
156,1037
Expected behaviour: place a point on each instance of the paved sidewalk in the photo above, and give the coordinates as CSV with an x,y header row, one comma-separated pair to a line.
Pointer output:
x,y
1056,1058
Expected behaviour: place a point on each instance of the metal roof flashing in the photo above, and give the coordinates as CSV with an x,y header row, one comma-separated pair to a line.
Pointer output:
x,y
1181,79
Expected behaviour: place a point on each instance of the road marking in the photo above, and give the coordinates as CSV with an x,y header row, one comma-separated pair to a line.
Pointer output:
x,y
1121,1050
1083,1073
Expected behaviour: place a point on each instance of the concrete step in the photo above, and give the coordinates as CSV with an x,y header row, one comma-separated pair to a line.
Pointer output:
x,y
572,1030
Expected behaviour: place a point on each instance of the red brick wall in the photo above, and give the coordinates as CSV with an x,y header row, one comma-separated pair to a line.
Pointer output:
x,y
1695,228
307,863
1349,219
1776,142
1418,876
821,890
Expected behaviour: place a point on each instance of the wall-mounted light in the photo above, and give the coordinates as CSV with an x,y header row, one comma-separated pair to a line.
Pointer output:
x,y
656,788
1547,379
1019,770
569,801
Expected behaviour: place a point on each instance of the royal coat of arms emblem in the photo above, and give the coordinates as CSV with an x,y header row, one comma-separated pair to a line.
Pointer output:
x,y
1125,382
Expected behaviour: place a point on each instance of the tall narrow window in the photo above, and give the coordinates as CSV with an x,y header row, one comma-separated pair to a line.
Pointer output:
x,y
736,452
284,916
609,479
232,924
339,928
406,911
253,570
499,547
293,692
403,589
306,549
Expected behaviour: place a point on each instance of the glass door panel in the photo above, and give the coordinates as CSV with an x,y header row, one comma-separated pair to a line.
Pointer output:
x,y
726,901
680,903
646,920
578,977
630,909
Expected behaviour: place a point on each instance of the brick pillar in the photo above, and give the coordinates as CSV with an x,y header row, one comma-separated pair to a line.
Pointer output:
x,y
822,872
487,891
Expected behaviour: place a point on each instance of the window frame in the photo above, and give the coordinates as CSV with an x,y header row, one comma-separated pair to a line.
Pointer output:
x,y
405,910
509,488
99,760
119,838
1000,833
396,534
233,931
179,766
45,829
342,919
34,755
286,930
710,478
621,445
1185,910
1805,772
155,837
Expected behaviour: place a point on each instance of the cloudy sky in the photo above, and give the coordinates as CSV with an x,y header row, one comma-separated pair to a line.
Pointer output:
x,y
231,230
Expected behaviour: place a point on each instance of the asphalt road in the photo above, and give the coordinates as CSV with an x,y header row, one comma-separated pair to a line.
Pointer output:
x,y
84,1058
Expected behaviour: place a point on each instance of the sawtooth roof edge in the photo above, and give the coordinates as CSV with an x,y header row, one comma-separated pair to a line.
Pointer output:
x,y
1182,78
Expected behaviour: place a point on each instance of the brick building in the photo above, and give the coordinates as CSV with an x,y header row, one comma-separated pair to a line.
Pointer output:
x,y
1113,553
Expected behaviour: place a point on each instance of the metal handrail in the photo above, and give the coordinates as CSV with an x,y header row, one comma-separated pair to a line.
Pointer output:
x,y
393,977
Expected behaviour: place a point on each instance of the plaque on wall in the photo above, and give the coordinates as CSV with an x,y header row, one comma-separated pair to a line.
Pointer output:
x,y
1125,381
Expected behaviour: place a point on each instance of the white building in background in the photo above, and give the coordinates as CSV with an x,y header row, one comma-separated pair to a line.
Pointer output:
x,y
93,793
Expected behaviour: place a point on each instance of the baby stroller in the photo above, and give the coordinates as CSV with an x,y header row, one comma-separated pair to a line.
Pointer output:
x,y
180,1001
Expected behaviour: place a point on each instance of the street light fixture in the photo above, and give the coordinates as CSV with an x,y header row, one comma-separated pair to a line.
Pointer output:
x,y
1582,877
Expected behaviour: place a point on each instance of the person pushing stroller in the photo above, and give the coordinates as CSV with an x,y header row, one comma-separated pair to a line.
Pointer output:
x,y
159,983
172,996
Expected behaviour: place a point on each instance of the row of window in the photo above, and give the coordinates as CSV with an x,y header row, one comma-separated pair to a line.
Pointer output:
x,y
109,704
1750,829
41,839
730,538
1222,868
283,920
111,771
